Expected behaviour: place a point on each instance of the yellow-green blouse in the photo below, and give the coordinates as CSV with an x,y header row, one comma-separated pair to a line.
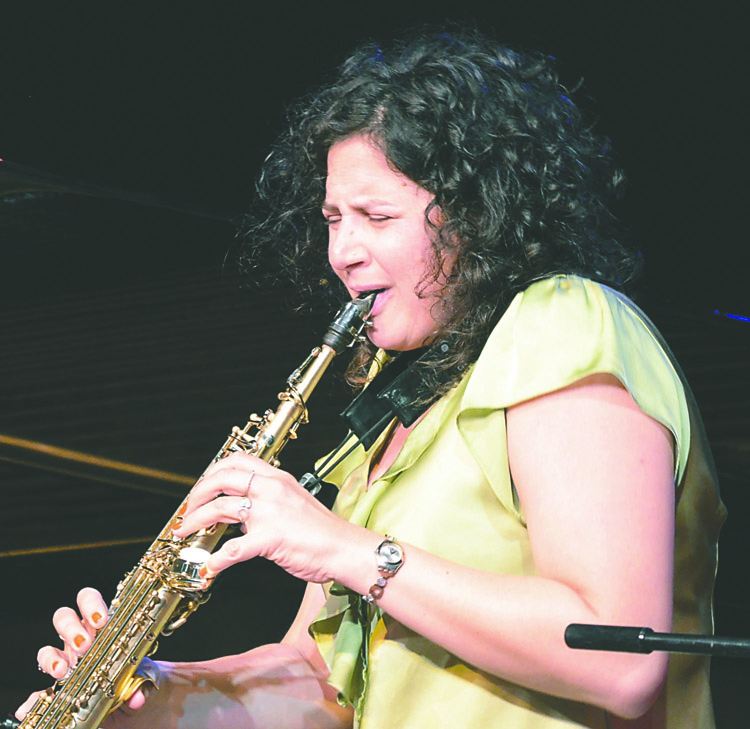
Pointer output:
x,y
449,492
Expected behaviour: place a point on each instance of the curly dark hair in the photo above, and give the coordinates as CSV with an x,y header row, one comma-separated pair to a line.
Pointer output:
x,y
522,182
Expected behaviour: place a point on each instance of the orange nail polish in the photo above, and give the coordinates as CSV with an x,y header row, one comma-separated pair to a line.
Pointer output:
x,y
182,509
79,640
203,571
55,665
96,617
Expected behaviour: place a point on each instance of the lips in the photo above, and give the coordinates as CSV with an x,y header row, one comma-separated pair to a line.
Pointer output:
x,y
382,295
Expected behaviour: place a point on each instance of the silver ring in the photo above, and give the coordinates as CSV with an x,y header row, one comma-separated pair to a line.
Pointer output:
x,y
244,511
249,483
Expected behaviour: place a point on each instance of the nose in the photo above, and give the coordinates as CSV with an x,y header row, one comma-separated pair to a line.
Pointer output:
x,y
347,246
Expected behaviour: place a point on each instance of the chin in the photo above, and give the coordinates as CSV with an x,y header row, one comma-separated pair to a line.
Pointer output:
x,y
392,344
401,336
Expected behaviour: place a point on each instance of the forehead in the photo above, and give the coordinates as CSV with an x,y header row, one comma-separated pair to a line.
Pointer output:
x,y
357,167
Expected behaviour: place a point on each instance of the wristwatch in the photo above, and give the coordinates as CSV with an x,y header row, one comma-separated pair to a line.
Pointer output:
x,y
389,556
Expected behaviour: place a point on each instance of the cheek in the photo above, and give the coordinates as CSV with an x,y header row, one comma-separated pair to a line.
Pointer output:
x,y
421,268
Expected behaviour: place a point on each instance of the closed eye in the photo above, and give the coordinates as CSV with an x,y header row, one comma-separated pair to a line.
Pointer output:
x,y
333,219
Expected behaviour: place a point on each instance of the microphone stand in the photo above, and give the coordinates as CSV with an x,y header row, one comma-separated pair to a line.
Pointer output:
x,y
644,640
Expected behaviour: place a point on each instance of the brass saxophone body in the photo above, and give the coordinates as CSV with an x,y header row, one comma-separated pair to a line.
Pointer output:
x,y
165,587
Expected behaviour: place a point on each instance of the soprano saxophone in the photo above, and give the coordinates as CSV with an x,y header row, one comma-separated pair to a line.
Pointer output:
x,y
165,587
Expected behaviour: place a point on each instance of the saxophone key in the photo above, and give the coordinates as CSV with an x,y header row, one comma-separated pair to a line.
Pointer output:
x,y
185,574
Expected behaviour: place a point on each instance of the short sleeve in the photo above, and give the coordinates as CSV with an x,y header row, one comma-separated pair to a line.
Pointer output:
x,y
554,333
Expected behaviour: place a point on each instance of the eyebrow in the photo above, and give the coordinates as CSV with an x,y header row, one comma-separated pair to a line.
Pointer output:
x,y
360,204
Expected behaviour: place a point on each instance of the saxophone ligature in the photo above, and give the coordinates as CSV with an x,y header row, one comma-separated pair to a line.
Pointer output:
x,y
165,587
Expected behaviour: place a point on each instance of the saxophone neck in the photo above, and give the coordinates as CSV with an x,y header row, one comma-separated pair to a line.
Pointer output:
x,y
278,428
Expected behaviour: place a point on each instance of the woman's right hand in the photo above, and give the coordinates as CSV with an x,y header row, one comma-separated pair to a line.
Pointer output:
x,y
77,631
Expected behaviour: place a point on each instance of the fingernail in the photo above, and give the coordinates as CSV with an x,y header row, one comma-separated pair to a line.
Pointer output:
x,y
203,571
96,617
182,509
79,640
54,666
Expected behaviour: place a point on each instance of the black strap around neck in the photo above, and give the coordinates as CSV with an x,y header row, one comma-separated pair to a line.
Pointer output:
x,y
399,390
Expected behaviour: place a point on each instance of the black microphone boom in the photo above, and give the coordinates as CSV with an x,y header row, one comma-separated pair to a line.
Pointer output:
x,y
644,640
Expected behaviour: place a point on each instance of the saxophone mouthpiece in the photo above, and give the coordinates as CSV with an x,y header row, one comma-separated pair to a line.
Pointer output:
x,y
346,328
368,297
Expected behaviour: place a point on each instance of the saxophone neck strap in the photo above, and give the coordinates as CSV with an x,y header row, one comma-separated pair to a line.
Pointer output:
x,y
400,390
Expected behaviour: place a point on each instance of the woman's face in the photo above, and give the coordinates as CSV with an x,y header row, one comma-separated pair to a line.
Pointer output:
x,y
378,241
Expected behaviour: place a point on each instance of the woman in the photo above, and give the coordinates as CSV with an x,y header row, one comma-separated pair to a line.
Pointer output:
x,y
555,472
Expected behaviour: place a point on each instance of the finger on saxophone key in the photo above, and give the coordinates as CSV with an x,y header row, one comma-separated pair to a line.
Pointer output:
x,y
24,708
93,609
53,662
72,630
76,630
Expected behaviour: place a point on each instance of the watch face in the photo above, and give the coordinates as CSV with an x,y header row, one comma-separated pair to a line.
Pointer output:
x,y
391,553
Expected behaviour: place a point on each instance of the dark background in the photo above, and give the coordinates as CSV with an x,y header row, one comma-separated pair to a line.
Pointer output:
x,y
131,135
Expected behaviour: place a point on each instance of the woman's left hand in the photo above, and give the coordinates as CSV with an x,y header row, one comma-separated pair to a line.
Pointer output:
x,y
282,521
